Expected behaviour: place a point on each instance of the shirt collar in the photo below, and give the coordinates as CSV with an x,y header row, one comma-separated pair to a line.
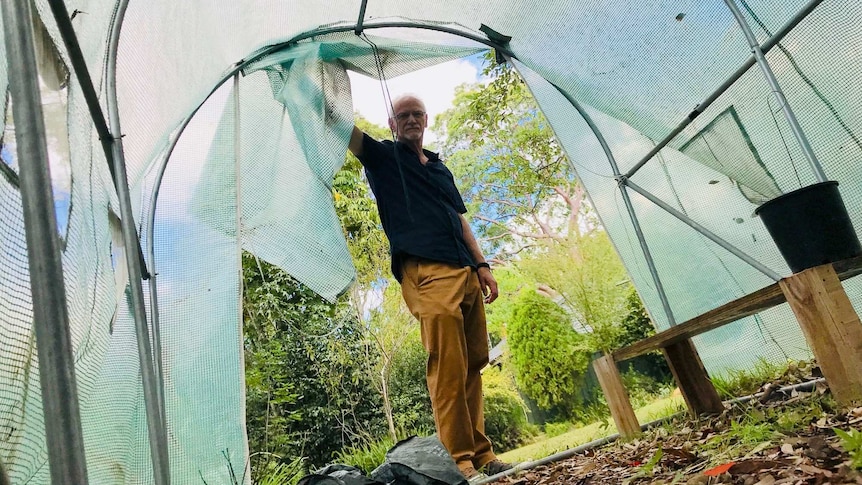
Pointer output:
x,y
432,156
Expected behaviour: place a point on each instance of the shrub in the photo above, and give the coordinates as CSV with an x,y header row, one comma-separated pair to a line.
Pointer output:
x,y
549,357
742,382
281,473
411,406
636,325
644,389
851,441
556,429
505,412
307,392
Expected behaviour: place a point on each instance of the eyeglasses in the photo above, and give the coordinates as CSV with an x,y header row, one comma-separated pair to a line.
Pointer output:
x,y
406,115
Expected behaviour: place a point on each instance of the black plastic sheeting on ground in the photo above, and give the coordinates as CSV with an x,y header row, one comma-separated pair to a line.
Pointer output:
x,y
413,461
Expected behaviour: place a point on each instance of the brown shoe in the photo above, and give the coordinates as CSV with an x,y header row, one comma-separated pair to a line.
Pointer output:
x,y
473,475
496,466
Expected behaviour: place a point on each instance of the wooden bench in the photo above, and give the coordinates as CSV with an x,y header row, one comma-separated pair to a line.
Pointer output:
x,y
830,325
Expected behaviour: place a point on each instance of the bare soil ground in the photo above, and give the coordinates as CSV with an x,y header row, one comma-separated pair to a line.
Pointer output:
x,y
777,438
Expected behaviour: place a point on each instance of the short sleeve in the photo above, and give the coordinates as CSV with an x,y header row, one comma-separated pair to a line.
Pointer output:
x,y
374,153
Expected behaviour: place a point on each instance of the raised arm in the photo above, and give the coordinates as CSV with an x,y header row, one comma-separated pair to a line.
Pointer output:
x,y
355,145
486,279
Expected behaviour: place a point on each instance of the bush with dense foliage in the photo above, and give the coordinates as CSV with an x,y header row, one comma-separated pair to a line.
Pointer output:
x,y
411,405
505,413
366,456
556,428
549,358
307,392
636,325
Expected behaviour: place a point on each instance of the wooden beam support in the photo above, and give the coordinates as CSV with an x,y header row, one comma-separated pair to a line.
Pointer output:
x,y
691,377
749,304
831,327
617,397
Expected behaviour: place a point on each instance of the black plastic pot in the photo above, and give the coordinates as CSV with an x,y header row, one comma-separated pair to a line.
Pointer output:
x,y
810,226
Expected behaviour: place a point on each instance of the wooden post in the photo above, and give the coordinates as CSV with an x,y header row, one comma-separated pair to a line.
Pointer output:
x,y
691,377
617,397
831,327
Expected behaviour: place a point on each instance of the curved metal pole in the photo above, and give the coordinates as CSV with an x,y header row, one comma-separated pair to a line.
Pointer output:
x,y
114,114
160,171
151,376
706,232
798,133
665,303
700,108
64,437
379,25
629,207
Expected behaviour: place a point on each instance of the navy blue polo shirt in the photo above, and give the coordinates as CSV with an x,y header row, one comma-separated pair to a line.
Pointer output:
x,y
419,205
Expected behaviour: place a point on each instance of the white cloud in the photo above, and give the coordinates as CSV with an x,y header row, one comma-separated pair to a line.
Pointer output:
x,y
435,85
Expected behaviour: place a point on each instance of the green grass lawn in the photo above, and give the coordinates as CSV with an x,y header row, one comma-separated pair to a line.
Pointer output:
x,y
546,447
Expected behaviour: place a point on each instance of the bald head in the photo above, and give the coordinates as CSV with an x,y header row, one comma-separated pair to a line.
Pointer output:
x,y
409,119
404,98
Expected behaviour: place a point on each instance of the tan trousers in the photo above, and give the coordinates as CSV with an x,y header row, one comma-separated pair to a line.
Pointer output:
x,y
447,301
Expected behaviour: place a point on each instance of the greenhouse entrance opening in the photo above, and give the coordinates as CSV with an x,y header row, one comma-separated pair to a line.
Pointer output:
x,y
672,106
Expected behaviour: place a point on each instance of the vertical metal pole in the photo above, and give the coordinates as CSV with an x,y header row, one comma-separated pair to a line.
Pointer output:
x,y
154,287
665,303
150,373
64,435
237,151
79,68
358,29
776,90
704,231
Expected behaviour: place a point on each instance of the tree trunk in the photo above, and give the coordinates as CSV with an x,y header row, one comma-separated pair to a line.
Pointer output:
x,y
387,404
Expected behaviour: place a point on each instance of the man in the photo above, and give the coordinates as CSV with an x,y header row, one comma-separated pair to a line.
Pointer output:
x,y
444,278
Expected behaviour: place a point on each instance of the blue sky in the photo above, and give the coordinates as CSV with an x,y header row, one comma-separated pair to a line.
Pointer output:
x,y
62,197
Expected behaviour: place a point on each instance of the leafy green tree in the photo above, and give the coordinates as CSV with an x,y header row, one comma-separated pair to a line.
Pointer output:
x,y
359,218
586,276
549,357
308,394
511,282
389,330
512,172
532,214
